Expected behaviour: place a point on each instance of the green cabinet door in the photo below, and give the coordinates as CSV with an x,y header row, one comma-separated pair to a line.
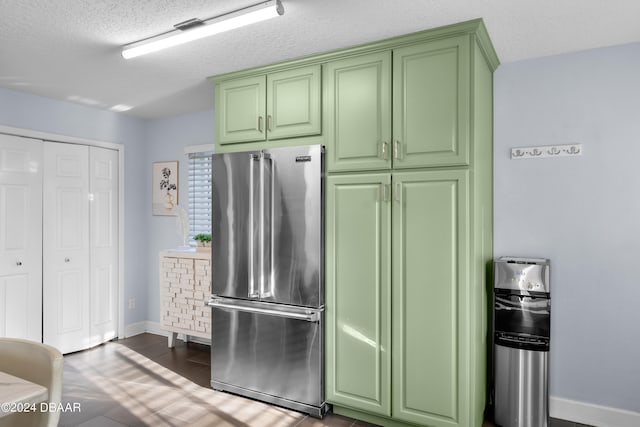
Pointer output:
x,y
358,112
293,103
358,239
431,103
429,275
240,110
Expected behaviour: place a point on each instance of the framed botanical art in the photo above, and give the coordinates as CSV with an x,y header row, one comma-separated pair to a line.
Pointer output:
x,y
165,188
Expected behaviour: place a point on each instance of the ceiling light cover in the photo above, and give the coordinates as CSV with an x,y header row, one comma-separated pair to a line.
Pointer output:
x,y
120,108
250,15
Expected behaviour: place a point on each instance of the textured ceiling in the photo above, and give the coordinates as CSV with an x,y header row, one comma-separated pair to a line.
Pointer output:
x,y
70,49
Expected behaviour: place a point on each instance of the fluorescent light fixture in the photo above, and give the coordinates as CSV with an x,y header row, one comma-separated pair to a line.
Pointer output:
x,y
239,18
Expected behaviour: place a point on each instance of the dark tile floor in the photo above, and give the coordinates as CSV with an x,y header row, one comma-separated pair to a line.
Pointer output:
x,y
139,381
553,422
563,423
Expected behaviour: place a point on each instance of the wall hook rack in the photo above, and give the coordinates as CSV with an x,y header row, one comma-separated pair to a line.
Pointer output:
x,y
546,151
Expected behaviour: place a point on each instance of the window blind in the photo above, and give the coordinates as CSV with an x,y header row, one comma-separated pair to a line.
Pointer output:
x,y
200,192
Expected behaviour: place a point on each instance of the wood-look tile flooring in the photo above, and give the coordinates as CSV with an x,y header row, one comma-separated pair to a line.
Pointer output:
x,y
139,381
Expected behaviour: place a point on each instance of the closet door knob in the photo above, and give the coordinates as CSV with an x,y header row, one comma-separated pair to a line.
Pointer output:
x,y
19,263
67,260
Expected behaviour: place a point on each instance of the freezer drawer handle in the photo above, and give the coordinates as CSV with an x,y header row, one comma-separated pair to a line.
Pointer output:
x,y
308,316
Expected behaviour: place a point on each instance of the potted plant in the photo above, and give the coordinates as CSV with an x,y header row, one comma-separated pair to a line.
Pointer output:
x,y
203,240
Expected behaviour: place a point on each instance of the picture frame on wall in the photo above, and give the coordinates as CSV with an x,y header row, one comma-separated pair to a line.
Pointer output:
x,y
165,188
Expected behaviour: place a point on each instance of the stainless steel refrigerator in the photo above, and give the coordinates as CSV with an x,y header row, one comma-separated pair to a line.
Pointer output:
x,y
267,276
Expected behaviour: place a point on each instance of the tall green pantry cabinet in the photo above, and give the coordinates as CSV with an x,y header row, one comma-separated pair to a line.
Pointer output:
x,y
407,126
409,228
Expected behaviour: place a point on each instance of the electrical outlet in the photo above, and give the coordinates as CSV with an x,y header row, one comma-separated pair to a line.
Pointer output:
x,y
132,303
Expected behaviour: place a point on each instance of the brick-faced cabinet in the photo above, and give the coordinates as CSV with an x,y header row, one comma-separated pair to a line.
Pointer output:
x,y
185,286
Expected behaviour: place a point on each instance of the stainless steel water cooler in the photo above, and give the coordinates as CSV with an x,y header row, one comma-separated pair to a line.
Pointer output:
x,y
521,326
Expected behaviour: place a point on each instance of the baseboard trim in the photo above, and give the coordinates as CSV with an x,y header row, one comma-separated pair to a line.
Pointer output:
x,y
590,414
145,326
150,327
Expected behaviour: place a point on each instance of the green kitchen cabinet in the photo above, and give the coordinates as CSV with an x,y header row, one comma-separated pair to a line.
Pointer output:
x,y
426,104
283,104
240,112
358,292
407,125
397,246
358,112
431,103
440,196
430,282
293,103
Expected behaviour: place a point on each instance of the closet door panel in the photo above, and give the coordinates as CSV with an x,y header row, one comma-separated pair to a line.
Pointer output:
x,y
103,211
66,292
14,301
20,237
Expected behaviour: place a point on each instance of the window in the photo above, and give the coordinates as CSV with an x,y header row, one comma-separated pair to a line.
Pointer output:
x,y
200,192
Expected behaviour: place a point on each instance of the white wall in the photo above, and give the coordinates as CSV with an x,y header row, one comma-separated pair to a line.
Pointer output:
x,y
581,212
166,139
26,111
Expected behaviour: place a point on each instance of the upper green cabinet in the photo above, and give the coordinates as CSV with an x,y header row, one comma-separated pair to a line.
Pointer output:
x,y
293,103
240,110
418,118
358,112
431,104
284,104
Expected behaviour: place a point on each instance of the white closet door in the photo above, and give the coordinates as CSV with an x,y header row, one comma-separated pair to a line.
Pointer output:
x,y
103,222
66,308
20,237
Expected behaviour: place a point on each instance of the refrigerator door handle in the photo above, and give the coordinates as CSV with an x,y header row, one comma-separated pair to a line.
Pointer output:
x,y
253,291
305,314
266,225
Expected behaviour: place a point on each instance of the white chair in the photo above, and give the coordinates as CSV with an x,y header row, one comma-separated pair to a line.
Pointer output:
x,y
40,364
